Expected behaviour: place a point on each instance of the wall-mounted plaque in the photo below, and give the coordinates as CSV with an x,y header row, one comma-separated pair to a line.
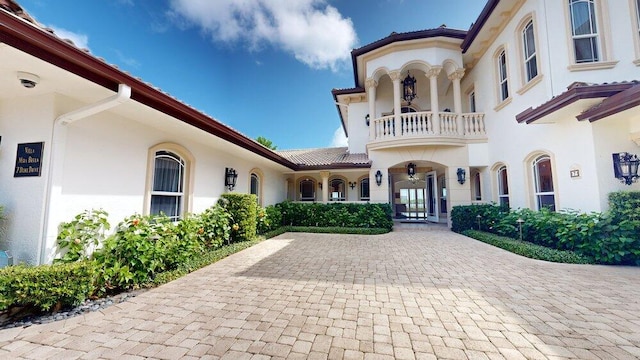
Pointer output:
x,y
29,159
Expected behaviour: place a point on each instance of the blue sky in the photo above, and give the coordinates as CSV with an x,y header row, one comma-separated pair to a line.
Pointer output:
x,y
263,67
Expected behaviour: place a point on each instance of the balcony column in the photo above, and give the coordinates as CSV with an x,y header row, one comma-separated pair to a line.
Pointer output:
x,y
397,95
457,99
325,186
432,74
371,86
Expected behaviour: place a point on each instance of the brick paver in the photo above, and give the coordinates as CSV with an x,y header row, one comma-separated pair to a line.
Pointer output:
x,y
412,294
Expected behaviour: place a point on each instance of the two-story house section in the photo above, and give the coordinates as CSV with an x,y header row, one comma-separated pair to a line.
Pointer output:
x,y
527,108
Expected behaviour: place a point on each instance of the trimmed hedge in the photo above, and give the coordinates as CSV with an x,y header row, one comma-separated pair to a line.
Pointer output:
x,y
47,287
612,237
334,230
528,249
344,215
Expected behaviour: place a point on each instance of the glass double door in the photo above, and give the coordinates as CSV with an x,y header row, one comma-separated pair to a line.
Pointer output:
x,y
419,200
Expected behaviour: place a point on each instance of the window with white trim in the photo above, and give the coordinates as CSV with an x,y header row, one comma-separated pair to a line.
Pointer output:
x,y
503,77
477,188
337,190
167,193
255,186
472,101
364,189
503,187
584,31
307,190
543,182
638,17
529,49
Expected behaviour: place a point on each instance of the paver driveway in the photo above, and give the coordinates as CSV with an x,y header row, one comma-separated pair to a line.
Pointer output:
x,y
428,294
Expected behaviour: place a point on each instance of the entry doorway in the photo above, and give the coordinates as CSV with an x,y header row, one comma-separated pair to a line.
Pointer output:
x,y
433,214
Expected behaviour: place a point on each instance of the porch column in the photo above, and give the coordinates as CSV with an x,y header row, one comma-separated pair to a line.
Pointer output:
x,y
457,99
397,110
371,96
432,74
325,186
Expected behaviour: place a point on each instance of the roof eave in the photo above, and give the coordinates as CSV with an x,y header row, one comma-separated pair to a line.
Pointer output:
x,y
569,97
334,166
478,24
617,103
26,37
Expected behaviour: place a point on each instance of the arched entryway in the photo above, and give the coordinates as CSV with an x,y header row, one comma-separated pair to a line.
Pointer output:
x,y
418,191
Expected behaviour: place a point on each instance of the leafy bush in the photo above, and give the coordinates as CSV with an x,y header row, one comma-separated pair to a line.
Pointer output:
x,y
269,219
336,215
528,249
46,287
612,237
141,247
243,209
212,227
79,237
335,230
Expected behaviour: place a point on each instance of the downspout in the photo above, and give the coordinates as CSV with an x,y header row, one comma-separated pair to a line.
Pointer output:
x,y
58,145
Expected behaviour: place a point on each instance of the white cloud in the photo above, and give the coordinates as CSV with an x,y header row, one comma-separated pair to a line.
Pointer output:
x,y
80,40
339,138
131,62
313,31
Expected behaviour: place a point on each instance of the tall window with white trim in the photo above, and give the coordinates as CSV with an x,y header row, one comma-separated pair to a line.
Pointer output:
x,y
529,48
584,31
503,80
543,182
472,101
503,187
255,186
167,194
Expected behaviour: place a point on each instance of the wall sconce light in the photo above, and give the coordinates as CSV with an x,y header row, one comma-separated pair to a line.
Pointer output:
x,y
461,175
625,167
409,88
230,178
366,118
352,185
378,177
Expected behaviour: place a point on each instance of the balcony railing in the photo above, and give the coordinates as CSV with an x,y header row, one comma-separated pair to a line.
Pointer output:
x,y
425,124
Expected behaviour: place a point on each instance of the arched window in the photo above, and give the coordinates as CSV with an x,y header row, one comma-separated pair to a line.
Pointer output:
x,y
167,193
529,52
584,31
543,182
503,187
337,190
364,189
307,190
503,75
254,186
477,189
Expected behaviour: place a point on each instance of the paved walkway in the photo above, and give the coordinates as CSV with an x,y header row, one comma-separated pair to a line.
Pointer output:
x,y
424,294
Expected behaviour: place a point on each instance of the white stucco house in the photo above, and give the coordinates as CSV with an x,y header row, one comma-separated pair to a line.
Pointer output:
x,y
526,109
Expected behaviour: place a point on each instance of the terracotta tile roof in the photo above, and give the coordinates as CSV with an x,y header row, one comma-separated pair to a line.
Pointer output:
x,y
326,158
576,91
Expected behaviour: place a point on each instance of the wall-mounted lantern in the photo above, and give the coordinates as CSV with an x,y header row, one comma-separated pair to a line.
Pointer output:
x,y
625,167
409,88
230,178
379,177
366,119
462,175
352,184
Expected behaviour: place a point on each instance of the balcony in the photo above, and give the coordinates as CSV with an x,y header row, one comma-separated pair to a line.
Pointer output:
x,y
427,128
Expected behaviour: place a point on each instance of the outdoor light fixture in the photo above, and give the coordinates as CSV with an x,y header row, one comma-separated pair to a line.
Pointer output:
x,y
625,167
461,175
379,177
409,88
230,177
366,118
352,185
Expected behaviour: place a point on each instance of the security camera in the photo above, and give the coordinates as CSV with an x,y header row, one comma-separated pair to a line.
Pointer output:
x,y
28,80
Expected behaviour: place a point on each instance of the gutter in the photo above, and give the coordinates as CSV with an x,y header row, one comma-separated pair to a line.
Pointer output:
x,y
56,159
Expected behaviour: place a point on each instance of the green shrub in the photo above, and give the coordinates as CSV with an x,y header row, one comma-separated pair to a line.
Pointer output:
x,y
336,230
80,236
141,247
527,249
269,219
243,209
213,226
479,217
336,215
46,287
